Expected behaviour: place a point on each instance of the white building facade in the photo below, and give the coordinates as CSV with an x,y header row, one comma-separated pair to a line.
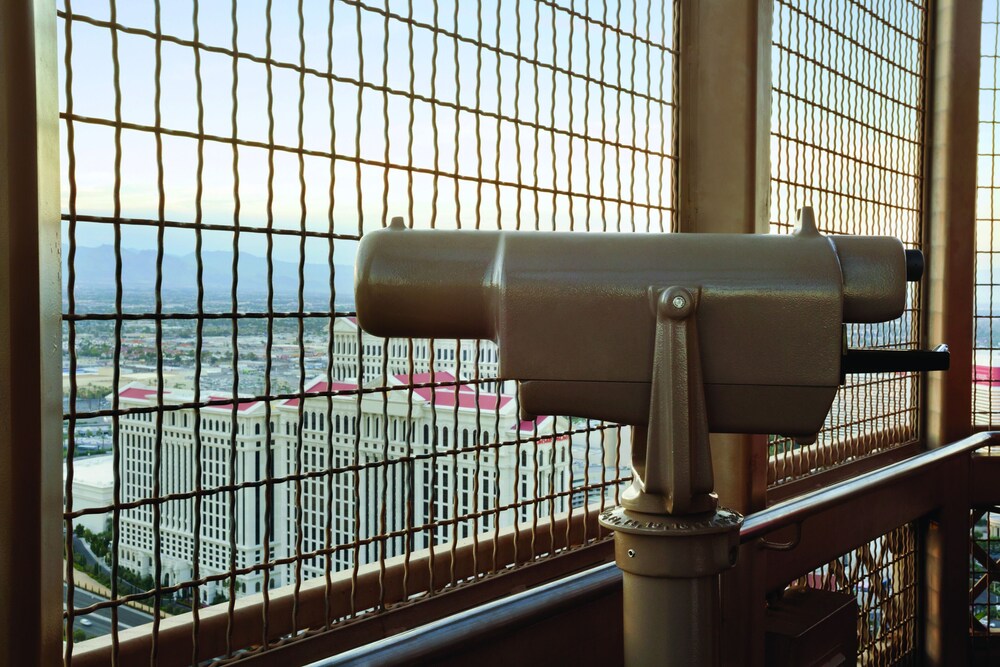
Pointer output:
x,y
93,486
458,357
229,516
357,475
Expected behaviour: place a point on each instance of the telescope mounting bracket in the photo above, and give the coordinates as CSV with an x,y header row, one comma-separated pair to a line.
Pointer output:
x,y
671,460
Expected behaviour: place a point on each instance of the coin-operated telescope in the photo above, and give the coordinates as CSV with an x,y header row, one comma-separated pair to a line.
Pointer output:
x,y
677,334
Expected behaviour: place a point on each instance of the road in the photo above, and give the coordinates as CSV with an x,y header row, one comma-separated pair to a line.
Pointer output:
x,y
100,620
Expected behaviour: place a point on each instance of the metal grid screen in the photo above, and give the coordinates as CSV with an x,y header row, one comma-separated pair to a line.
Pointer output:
x,y
229,430
986,365
984,572
847,137
984,544
882,575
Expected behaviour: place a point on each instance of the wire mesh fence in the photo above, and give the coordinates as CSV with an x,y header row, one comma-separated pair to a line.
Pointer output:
x,y
228,428
984,592
847,136
984,584
986,368
882,576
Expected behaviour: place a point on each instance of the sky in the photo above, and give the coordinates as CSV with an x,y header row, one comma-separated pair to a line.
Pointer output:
x,y
533,96
988,169
628,189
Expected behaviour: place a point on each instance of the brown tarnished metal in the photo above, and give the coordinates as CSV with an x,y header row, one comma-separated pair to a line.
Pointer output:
x,y
30,360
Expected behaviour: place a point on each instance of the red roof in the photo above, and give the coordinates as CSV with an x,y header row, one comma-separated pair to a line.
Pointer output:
x,y
528,425
241,406
321,387
141,393
986,374
446,396
146,393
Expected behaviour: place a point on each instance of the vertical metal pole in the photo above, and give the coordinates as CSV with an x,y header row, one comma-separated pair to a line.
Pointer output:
x,y
949,245
685,643
30,387
945,575
725,104
725,100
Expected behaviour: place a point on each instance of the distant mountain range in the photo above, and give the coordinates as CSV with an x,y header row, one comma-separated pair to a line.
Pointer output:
x,y
95,269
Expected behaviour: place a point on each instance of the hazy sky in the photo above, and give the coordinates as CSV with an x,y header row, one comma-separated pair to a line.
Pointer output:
x,y
988,205
475,78
534,96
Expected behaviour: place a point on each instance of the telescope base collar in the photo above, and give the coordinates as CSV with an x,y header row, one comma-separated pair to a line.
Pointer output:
x,y
656,545
670,583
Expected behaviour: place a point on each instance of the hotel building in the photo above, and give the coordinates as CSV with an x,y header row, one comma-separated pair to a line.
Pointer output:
x,y
350,475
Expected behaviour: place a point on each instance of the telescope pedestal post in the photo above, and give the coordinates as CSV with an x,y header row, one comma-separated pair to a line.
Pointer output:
x,y
671,539
670,573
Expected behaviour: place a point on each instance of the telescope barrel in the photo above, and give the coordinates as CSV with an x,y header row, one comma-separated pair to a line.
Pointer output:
x,y
573,314
402,290
453,284
872,267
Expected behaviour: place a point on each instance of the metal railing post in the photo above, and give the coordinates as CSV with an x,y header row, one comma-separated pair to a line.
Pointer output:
x,y
945,573
30,386
950,230
950,248
725,81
